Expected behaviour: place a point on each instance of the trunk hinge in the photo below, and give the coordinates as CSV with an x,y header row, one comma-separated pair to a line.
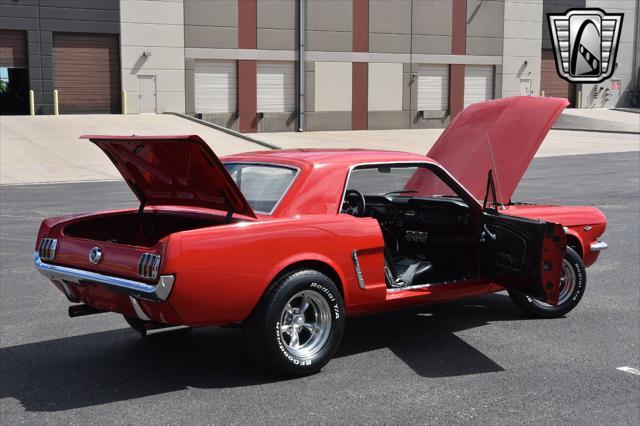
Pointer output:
x,y
230,210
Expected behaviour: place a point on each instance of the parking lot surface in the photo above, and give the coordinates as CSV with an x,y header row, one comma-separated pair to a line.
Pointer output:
x,y
475,361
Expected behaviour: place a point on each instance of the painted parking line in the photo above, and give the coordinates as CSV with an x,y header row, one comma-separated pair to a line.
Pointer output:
x,y
629,370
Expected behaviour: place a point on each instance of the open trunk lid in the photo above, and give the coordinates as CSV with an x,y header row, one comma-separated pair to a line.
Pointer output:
x,y
503,135
173,170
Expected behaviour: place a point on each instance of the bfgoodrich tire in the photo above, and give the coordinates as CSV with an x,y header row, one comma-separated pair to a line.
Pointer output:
x,y
298,324
572,286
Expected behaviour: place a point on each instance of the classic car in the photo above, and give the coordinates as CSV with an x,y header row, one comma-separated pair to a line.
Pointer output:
x,y
289,243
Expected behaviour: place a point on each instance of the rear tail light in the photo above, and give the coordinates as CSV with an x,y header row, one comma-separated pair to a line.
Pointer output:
x,y
47,249
149,265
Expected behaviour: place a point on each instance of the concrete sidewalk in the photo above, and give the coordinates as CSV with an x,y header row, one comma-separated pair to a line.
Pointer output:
x,y
46,149
599,120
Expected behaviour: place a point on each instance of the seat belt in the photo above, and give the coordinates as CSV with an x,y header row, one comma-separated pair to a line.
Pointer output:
x,y
407,276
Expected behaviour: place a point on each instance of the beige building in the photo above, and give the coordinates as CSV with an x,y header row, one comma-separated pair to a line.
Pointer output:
x,y
357,64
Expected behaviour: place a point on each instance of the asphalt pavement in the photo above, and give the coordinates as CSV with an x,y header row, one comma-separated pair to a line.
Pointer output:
x,y
476,361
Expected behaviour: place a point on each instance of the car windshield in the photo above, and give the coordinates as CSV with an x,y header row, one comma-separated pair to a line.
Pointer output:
x,y
263,185
399,181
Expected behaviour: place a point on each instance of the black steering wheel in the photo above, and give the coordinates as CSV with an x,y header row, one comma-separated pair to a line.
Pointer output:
x,y
354,203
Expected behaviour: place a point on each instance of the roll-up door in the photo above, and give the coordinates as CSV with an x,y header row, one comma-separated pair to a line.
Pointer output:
x,y
87,72
478,84
13,49
215,86
433,88
550,82
276,86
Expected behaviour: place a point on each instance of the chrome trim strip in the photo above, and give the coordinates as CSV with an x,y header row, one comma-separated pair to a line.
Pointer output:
x,y
259,163
156,293
138,309
599,246
356,264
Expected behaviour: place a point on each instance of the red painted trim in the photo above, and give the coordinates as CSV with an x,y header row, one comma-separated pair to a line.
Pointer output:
x,y
247,97
360,96
459,27
360,25
247,24
456,89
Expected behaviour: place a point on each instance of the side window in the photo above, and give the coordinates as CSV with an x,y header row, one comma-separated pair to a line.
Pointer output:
x,y
410,181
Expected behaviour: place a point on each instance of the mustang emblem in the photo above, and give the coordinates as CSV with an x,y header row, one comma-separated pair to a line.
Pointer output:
x,y
95,255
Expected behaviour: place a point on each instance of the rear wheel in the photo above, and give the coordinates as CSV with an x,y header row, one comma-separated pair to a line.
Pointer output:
x,y
297,326
572,285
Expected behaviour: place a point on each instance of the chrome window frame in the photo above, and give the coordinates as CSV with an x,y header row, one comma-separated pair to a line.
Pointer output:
x,y
266,164
457,186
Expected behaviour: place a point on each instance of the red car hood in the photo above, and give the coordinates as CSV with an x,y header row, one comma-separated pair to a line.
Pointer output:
x,y
509,131
173,170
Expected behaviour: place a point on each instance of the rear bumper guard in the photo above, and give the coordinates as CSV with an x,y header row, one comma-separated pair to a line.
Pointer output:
x,y
154,292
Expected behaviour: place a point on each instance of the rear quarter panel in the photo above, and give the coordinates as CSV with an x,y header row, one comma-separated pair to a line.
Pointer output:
x,y
221,273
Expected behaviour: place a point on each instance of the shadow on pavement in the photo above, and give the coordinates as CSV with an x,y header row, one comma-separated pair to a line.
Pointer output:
x,y
105,367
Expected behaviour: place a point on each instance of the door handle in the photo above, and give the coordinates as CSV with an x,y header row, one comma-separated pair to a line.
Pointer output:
x,y
487,232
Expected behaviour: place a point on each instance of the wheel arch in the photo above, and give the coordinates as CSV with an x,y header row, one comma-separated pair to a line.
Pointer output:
x,y
316,265
575,243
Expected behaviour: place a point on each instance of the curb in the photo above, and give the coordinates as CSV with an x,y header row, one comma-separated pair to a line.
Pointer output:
x,y
225,130
626,132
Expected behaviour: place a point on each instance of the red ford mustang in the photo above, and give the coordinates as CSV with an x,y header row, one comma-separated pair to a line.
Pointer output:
x,y
290,242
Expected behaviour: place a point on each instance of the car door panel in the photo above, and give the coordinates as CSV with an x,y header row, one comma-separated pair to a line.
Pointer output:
x,y
522,254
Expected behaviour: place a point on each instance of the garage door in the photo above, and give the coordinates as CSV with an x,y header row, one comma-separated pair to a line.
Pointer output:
x,y
215,86
550,81
276,86
87,73
478,84
13,49
433,88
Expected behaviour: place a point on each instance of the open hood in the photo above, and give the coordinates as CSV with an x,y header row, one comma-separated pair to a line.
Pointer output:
x,y
173,170
503,135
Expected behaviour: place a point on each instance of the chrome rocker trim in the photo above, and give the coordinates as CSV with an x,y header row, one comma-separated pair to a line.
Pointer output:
x,y
156,293
599,246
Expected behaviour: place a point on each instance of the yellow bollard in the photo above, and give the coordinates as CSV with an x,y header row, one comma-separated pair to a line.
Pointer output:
x,y
32,103
123,98
55,102
542,93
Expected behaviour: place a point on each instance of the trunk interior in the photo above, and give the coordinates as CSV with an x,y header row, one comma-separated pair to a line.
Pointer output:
x,y
132,228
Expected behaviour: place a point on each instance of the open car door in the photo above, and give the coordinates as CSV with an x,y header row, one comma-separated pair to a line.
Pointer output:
x,y
522,254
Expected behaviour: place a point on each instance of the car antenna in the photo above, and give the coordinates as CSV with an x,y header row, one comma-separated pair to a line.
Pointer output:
x,y
495,169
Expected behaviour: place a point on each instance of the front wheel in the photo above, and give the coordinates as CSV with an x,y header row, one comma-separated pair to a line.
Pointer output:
x,y
297,326
572,285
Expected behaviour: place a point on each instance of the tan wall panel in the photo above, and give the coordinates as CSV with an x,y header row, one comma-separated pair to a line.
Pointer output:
x,y
385,87
333,86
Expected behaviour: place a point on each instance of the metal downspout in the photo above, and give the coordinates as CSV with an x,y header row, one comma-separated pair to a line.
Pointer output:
x,y
301,64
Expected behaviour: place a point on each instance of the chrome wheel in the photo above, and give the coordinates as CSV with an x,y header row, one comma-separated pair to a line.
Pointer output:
x,y
305,324
567,284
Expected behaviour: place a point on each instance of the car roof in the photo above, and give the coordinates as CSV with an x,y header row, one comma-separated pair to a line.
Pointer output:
x,y
325,156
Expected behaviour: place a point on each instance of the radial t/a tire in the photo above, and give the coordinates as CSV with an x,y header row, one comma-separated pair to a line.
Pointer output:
x,y
297,326
572,287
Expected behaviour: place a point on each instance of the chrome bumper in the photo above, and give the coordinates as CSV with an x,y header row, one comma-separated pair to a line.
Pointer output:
x,y
156,293
599,246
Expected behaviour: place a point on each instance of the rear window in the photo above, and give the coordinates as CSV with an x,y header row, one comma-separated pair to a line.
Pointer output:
x,y
262,185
